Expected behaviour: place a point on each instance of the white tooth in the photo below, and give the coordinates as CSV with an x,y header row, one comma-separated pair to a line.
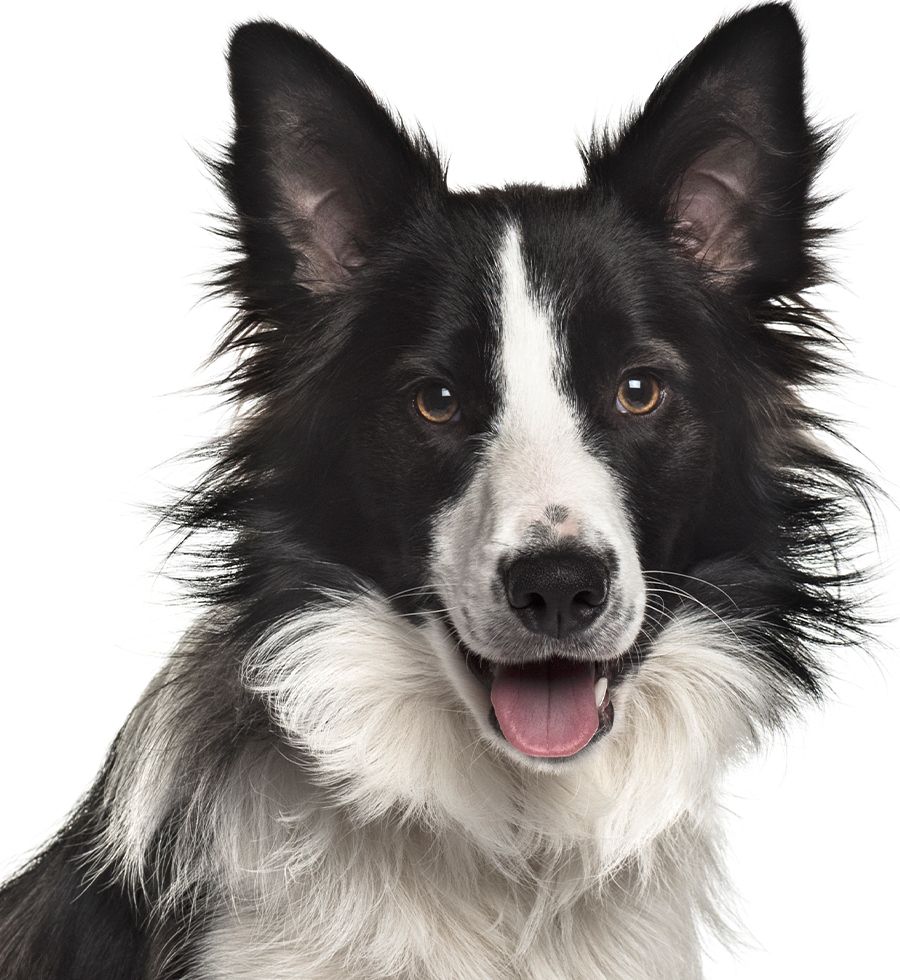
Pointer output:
x,y
600,690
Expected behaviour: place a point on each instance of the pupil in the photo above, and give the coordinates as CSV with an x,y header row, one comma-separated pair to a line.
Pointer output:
x,y
438,398
638,391
438,401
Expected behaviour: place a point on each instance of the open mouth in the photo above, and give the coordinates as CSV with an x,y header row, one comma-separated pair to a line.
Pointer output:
x,y
549,709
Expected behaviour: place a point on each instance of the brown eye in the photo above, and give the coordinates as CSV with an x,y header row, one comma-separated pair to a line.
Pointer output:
x,y
436,403
639,393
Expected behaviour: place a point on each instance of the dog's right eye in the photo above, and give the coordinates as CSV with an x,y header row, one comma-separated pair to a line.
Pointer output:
x,y
436,403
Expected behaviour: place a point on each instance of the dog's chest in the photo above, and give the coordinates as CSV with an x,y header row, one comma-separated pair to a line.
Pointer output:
x,y
424,931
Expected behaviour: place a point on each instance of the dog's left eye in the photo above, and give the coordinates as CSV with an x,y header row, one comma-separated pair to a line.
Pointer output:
x,y
639,393
436,403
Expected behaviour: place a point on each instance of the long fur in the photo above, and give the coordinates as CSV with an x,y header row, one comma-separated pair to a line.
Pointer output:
x,y
305,789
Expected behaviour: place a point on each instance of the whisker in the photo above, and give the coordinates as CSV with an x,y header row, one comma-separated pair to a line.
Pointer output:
x,y
680,593
693,578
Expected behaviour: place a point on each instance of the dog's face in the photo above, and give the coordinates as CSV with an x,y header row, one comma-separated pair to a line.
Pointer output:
x,y
549,428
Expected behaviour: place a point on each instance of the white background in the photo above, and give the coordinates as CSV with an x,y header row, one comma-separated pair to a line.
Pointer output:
x,y
104,250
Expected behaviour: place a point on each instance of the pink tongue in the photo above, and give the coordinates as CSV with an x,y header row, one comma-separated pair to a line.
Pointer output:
x,y
546,709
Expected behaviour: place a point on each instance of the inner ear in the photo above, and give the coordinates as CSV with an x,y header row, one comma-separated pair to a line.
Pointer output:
x,y
710,206
321,214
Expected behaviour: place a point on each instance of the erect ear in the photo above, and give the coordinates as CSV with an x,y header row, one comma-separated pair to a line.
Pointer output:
x,y
318,169
723,156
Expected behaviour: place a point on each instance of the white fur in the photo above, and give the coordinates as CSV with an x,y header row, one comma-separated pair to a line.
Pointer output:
x,y
389,839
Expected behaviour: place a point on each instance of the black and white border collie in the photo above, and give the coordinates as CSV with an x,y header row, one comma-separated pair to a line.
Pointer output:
x,y
520,536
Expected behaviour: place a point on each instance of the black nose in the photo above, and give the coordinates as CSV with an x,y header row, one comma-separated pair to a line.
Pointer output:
x,y
557,594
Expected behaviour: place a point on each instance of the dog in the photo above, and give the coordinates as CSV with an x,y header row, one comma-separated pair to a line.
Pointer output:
x,y
521,536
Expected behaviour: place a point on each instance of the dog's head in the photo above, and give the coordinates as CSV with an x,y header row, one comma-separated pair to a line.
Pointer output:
x,y
551,439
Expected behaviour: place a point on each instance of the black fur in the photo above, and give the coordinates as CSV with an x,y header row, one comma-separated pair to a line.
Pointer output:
x,y
61,917
325,481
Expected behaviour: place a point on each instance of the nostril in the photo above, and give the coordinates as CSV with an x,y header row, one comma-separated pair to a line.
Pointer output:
x,y
526,600
591,597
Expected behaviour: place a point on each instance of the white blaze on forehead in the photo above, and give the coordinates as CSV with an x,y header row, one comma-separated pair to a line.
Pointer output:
x,y
532,354
540,456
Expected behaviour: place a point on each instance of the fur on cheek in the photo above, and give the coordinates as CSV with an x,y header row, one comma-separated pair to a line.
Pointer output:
x,y
702,698
359,692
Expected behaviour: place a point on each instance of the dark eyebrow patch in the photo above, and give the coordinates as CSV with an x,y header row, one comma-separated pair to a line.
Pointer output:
x,y
657,353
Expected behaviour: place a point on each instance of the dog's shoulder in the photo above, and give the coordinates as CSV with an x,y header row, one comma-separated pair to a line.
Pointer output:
x,y
63,918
